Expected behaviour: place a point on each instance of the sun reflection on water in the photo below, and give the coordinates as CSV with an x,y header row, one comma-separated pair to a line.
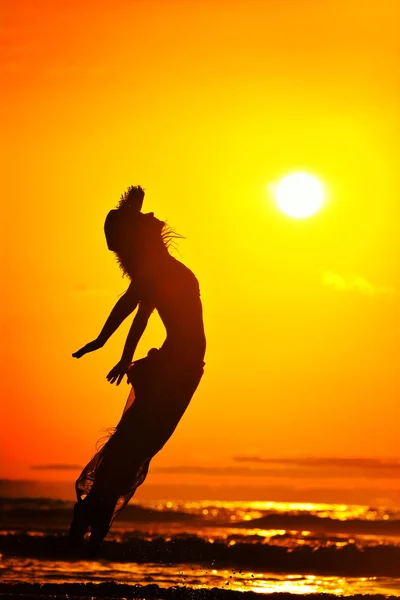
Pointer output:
x,y
99,571
247,510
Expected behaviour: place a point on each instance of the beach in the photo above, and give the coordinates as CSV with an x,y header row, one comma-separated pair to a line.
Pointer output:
x,y
148,592
205,549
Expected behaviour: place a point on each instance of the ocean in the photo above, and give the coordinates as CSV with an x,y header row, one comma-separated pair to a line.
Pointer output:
x,y
243,546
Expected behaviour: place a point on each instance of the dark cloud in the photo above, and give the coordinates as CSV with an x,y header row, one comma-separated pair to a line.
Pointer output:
x,y
284,470
218,490
210,470
55,467
346,463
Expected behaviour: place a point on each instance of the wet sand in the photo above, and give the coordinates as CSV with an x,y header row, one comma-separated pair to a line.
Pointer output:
x,y
82,591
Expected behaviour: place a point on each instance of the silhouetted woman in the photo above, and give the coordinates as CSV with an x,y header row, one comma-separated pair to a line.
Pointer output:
x,y
162,383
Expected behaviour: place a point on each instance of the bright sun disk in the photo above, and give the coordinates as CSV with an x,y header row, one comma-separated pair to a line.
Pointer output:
x,y
299,195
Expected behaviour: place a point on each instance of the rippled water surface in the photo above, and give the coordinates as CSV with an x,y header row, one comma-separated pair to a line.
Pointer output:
x,y
258,546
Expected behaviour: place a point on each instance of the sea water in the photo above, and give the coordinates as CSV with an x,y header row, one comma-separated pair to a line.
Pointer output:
x,y
258,546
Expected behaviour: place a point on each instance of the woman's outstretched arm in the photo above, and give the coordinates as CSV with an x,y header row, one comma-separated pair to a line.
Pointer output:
x,y
122,309
135,333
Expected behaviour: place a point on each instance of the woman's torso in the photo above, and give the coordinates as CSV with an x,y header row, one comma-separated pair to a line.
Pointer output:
x,y
174,291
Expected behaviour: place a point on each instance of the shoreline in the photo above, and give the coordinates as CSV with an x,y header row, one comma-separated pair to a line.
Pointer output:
x,y
111,590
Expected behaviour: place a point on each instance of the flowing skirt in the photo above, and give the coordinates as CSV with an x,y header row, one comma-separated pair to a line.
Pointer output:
x,y
162,387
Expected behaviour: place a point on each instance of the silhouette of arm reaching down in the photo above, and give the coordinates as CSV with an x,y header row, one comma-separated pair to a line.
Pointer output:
x,y
122,309
135,333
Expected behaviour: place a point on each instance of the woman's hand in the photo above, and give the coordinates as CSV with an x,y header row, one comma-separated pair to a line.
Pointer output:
x,y
90,347
117,373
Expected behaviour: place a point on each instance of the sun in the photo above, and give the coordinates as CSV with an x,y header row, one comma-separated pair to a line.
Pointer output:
x,y
299,195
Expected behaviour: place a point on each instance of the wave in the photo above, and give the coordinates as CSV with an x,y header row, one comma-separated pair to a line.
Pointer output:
x,y
42,513
346,560
25,512
314,523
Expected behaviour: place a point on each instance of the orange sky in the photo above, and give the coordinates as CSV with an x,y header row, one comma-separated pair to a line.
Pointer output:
x,y
205,103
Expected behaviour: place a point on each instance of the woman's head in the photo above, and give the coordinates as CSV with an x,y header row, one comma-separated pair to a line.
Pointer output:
x,y
133,230
127,224
134,235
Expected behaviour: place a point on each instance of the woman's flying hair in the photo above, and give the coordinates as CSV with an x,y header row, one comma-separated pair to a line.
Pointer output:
x,y
168,236
133,197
